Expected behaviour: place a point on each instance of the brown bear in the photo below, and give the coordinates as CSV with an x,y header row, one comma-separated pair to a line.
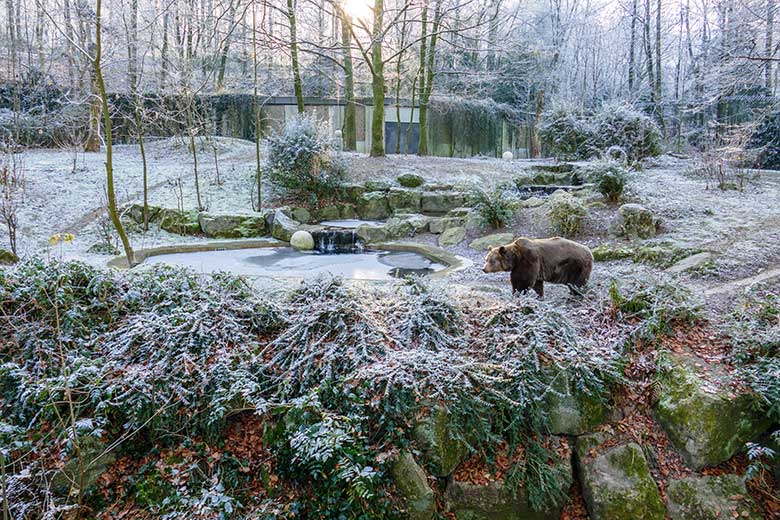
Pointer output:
x,y
532,262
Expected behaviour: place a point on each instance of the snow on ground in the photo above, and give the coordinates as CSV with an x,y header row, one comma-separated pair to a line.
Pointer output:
x,y
742,228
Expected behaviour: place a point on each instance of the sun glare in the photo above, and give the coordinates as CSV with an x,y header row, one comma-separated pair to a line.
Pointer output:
x,y
359,9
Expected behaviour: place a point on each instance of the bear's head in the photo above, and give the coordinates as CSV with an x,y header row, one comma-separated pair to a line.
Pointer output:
x,y
499,259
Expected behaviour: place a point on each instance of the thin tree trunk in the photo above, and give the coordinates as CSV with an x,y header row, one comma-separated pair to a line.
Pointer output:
x,y
101,89
92,143
294,56
132,47
226,46
256,111
350,130
632,48
429,68
164,52
658,75
378,83
770,28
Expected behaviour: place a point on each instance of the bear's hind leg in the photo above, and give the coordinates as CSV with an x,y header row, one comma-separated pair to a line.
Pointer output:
x,y
539,288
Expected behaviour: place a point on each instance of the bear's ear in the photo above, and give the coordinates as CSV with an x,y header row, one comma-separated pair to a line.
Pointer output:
x,y
502,250
490,249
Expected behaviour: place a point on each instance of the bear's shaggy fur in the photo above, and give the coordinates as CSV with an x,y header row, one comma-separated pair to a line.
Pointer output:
x,y
532,262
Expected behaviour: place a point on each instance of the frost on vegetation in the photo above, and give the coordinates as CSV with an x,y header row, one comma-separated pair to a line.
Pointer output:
x,y
301,163
567,214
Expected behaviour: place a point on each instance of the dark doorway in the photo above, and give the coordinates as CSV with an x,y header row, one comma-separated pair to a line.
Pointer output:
x,y
391,133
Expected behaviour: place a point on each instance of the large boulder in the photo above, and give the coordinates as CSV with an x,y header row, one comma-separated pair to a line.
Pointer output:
x,y
497,501
440,202
371,233
302,240
351,192
7,257
711,498
397,227
283,226
617,484
570,412
404,200
373,206
301,215
441,451
634,221
410,180
707,423
440,225
179,222
232,225
494,240
412,484
452,236
136,213
96,458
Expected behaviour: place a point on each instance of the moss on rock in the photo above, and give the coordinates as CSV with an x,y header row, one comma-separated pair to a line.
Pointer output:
x,y
179,222
711,498
706,427
570,412
7,257
441,451
412,484
617,484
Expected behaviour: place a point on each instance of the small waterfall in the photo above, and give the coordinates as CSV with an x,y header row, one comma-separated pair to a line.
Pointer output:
x,y
334,241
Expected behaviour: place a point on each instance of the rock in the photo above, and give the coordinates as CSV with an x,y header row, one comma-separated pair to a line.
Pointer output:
x,y
439,187
418,222
7,257
706,425
398,228
452,236
371,233
351,192
571,413
691,262
410,180
373,206
136,213
440,202
347,211
404,200
412,484
93,451
98,248
302,240
496,501
232,225
494,240
710,498
301,215
460,212
441,452
634,221
440,225
283,226
532,202
179,222
617,484
607,252
377,185
327,213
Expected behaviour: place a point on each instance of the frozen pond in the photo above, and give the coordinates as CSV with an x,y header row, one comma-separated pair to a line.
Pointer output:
x,y
284,262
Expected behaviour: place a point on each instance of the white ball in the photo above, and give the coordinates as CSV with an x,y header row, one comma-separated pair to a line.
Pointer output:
x,y
302,240
337,134
507,156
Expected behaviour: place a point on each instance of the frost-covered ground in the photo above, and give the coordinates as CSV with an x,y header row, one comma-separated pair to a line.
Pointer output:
x,y
742,228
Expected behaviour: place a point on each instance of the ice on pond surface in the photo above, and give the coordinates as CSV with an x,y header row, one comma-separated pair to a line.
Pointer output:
x,y
345,224
285,262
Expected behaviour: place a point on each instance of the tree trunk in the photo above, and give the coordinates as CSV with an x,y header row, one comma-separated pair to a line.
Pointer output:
x,y
429,68
164,52
770,28
350,131
132,48
632,48
658,82
378,83
101,90
256,111
294,56
140,131
536,149
226,46
422,145
92,143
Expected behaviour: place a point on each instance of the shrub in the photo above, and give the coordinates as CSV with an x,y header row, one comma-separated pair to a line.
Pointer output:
x,y
300,162
766,139
634,132
495,208
567,214
609,177
567,133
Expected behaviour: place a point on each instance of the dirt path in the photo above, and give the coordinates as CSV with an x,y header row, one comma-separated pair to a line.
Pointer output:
x,y
744,282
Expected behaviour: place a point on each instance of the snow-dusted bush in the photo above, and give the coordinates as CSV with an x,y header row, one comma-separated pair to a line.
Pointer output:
x,y
571,133
567,214
567,133
301,163
627,128
766,139
609,177
495,208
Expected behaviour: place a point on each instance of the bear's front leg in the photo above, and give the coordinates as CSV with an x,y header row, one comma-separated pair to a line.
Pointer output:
x,y
539,288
